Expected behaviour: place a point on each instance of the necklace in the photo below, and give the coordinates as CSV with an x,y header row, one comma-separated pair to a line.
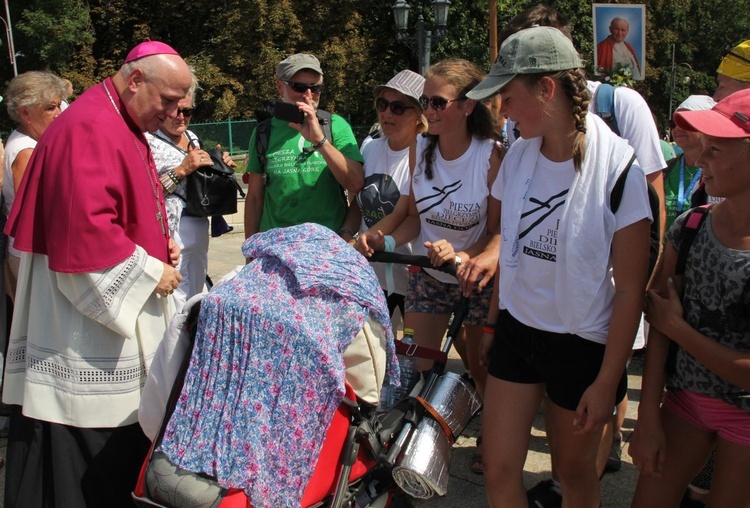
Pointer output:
x,y
150,171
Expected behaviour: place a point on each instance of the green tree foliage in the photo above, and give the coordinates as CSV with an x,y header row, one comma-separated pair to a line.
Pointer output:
x,y
234,45
56,35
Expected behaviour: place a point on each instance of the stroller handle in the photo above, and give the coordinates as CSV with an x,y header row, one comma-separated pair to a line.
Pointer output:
x,y
410,259
459,314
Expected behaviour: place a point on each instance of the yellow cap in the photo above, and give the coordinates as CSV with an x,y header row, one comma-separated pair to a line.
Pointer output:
x,y
736,62
408,331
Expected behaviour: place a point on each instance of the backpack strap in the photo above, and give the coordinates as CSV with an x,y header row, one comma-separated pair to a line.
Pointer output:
x,y
695,219
262,135
616,196
324,118
604,106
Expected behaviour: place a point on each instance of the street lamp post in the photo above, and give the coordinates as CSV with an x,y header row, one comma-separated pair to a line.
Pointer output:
x,y
423,40
9,36
672,84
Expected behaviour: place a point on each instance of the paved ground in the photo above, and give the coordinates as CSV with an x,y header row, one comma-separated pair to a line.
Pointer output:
x,y
465,489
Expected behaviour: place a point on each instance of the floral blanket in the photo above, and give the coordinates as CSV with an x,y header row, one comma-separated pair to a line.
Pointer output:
x,y
267,372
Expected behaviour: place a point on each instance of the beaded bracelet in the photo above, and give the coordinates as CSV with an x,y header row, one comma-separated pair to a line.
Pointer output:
x,y
169,181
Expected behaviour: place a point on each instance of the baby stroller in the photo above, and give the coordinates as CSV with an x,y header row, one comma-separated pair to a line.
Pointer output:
x,y
362,450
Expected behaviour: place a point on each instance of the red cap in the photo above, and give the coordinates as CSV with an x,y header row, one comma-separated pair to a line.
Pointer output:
x,y
730,118
149,48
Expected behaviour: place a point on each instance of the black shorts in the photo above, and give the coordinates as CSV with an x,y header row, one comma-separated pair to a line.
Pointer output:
x,y
567,364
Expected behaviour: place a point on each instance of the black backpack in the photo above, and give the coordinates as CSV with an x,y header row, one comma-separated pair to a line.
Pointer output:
x,y
604,107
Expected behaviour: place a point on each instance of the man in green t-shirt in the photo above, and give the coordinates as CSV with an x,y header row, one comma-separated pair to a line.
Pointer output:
x,y
305,171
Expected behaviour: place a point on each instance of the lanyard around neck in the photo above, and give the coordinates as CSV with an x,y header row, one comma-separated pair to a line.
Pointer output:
x,y
682,193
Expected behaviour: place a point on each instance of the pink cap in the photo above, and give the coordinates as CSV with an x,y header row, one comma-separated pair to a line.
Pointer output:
x,y
149,48
730,118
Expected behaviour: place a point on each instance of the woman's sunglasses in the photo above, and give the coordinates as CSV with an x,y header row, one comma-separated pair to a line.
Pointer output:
x,y
438,103
397,107
186,112
302,87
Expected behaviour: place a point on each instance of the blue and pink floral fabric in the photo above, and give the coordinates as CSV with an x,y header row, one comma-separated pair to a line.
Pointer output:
x,y
267,371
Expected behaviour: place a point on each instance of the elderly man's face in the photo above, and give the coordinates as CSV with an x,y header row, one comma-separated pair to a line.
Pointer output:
x,y
304,77
726,86
619,29
160,101
157,90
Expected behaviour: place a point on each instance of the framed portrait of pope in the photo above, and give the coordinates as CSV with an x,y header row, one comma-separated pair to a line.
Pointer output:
x,y
620,40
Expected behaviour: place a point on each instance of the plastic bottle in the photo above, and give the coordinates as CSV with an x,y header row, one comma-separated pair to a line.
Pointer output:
x,y
389,396
409,368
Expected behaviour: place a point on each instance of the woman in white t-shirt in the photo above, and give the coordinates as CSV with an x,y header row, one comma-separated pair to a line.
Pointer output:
x,y
572,273
387,176
454,166
33,100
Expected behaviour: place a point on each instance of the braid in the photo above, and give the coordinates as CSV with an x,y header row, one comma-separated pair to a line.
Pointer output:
x,y
573,82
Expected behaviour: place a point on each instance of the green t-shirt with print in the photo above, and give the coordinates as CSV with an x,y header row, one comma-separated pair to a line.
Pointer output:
x,y
300,187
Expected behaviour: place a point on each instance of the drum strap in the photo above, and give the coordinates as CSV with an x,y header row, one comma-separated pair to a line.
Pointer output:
x,y
433,412
424,352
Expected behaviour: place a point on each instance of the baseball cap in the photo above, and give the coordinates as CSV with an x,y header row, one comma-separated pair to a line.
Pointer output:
x,y
736,62
291,65
407,82
534,50
697,103
730,118
149,48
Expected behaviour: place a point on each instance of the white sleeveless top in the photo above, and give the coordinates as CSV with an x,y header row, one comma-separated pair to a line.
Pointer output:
x,y
453,204
17,142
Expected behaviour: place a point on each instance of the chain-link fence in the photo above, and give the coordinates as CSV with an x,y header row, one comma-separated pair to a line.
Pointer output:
x,y
234,135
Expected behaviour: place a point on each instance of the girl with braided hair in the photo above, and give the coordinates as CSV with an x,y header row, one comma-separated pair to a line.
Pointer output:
x,y
572,271
453,168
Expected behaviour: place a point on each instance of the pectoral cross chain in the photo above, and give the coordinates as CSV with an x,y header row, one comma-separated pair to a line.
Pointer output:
x,y
160,219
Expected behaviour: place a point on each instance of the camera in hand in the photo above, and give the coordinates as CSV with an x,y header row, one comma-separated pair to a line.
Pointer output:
x,y
288,112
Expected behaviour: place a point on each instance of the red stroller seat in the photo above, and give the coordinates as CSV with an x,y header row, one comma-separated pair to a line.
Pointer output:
x,y
322,482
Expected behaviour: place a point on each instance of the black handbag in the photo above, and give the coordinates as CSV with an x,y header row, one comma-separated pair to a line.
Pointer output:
x,y
212,190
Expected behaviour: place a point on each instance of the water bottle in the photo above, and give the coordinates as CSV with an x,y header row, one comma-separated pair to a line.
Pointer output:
x,y
410,374
409,368
387,398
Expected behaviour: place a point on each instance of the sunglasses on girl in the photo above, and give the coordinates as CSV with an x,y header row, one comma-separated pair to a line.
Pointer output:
x,y
186,112
438,103
397,107
302,87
